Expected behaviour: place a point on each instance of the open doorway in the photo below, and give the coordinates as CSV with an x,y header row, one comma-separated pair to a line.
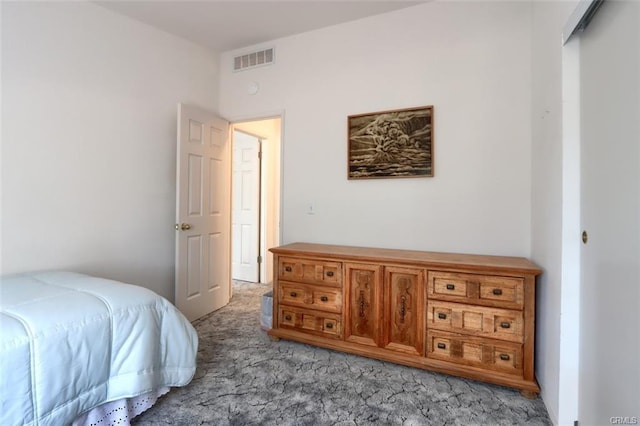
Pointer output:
x,y
245,211
255,198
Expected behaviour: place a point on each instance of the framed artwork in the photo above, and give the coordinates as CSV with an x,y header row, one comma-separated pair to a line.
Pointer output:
x,y
391,144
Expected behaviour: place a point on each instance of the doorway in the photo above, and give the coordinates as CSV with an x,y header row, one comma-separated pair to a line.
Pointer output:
x,y
256,197
245,221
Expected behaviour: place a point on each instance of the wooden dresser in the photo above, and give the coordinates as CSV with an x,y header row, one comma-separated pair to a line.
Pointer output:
x,y
466,315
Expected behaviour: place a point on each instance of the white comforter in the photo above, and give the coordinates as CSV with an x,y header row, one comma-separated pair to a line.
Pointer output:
x,y
70,342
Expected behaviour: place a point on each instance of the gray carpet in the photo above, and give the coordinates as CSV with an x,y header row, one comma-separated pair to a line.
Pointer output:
x,y
243,378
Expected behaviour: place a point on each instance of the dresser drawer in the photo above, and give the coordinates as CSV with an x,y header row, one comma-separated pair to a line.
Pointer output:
x,y
313,322
314,297
486,290
310,271
495,323
475,351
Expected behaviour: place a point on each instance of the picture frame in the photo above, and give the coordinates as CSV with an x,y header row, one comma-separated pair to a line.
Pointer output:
x,y
391,144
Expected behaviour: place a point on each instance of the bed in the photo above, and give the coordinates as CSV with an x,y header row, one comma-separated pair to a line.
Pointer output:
x,y
73,347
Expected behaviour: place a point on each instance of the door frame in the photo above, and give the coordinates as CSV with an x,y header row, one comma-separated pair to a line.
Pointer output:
x,y
234,121
569,344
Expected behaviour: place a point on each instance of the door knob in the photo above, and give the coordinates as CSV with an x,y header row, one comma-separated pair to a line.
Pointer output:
x,y
184,226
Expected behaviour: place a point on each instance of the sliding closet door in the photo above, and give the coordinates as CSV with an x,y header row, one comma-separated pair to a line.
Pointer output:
x,y
610,215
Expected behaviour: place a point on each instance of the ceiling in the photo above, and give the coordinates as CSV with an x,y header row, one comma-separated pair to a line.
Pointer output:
x,y
229,25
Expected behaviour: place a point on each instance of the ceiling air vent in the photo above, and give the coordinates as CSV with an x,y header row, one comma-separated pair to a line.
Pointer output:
x,y
253,59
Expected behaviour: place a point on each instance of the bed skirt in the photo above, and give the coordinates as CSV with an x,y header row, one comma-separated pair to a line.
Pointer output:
x,y
119,412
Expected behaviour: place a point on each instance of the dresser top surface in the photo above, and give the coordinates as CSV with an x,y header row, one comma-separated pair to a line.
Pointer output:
x,y
467,261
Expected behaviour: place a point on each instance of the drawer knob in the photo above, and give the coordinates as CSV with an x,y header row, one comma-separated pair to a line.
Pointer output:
x,y
497,291
293,294
287,317
329,273
442,316
505,324
504,357
287,268
324,298
442,346
451,287
329,325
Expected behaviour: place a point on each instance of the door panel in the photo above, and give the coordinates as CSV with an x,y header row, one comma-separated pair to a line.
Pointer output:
x,y
610,214
194,266
404,315
218,169
195,184
246,207
202,210
217,249
363,310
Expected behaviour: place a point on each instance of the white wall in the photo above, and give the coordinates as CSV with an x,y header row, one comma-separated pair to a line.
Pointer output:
x,y
472,61
559,395
88,140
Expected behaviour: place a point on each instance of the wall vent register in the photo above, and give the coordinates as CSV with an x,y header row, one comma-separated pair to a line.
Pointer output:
x,y
253,59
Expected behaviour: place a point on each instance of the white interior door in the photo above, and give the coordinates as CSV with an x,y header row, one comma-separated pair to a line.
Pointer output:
x,y
203,188
610,214
246,207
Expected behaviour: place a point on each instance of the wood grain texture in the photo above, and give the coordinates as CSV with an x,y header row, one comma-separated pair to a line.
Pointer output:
x,y
403,326
466,315
475,320
489,354
311,296
363,308
506,265
478,289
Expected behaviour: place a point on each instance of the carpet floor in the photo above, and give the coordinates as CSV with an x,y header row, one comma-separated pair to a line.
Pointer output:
x,y
244,378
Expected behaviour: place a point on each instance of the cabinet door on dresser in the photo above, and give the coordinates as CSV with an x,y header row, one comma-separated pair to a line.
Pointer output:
x,y
403,329
363,290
